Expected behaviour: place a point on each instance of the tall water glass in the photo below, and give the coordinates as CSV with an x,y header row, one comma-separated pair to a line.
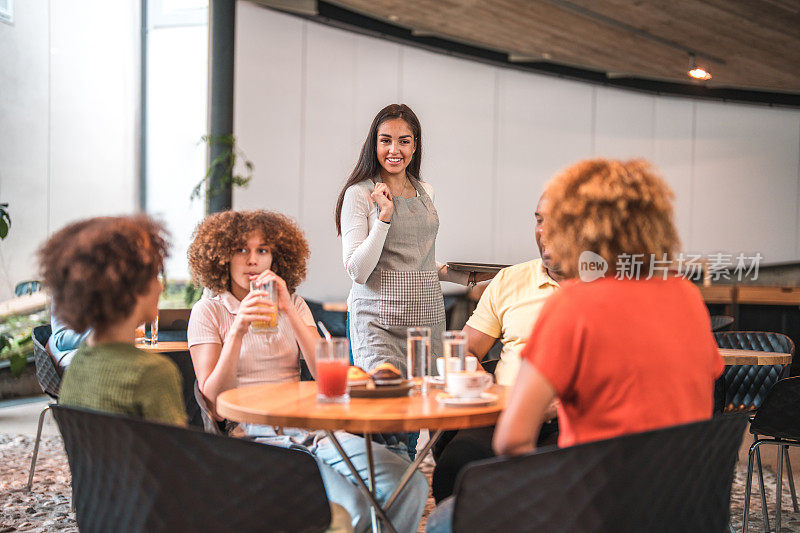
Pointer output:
x,y
333,360
154,331
268,292
454,350
418,356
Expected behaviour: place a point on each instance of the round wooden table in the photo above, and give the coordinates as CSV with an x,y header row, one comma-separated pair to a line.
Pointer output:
x,y
164,346
295,405
753,357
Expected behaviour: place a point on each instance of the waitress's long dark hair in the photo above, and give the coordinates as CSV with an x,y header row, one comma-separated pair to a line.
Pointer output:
x,y
368,166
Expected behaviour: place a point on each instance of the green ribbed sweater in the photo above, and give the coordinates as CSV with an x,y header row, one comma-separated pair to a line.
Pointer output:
x,y
118,378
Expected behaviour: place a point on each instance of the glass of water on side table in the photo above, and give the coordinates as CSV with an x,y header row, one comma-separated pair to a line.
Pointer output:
x,y
418,353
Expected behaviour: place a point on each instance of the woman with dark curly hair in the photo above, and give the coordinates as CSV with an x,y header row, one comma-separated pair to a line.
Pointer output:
x,y
102,274
388,223
613,349
228,251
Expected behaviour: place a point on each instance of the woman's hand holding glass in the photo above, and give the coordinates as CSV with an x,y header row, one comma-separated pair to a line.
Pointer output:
x,y
255,307
284,299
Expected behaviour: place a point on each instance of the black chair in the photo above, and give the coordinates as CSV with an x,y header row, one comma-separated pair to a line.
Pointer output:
x,y
209,424
335,321
49,377
721,322
133,475
779,419
745,386
673,479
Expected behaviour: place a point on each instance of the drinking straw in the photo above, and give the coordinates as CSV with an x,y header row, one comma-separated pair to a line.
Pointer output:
x,y
324,331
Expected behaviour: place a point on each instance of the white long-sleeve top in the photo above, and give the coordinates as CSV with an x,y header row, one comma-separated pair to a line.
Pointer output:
x,y
363,234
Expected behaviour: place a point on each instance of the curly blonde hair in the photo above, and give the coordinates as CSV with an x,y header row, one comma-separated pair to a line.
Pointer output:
x,y
219,235
610,208
95,269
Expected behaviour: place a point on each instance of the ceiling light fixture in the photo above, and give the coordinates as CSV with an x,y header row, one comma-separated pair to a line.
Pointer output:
x,y
696,72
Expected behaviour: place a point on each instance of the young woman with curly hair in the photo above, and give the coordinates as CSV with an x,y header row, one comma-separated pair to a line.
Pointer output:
x,y
623,353
102,274
228,251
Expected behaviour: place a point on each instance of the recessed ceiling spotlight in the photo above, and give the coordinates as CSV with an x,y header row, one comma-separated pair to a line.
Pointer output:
x,y
696,72
394,18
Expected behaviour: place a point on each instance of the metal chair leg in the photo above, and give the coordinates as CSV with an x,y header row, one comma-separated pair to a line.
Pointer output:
x,y
779,490
747,488
791,479
36,446
764,512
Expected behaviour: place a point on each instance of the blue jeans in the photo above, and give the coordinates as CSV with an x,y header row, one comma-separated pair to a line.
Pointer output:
x,y
389,467
441,518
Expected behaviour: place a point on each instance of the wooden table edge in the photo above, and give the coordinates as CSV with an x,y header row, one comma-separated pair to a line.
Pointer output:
x,y
733,356
471,417
164,347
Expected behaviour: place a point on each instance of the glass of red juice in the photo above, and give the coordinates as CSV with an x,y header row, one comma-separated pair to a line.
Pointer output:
x,y
333,360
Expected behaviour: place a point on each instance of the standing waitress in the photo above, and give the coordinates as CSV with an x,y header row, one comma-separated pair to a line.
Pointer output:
x,y
388,223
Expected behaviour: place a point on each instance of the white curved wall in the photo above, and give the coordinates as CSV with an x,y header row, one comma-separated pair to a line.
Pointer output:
x,y
306,93
69,80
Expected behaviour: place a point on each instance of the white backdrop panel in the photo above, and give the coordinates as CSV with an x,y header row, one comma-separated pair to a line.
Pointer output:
x,y
376,78
544,124
268,80
454,100
624,124
746,180
673,157
23,140
330,150
94,97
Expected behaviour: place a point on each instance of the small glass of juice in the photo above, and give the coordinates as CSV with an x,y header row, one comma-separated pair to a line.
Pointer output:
x,y
333,360
269,296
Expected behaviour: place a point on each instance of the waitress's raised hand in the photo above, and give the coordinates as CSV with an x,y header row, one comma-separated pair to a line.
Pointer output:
x,y
382,197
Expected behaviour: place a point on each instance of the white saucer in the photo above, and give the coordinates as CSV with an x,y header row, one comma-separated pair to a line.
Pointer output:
x,y
485,398
358,382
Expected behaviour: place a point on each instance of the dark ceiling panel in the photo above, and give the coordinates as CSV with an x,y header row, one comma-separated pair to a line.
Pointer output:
x,y
745,44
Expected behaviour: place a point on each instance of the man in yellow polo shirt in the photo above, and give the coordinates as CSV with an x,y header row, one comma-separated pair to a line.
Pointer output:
x,y
507,310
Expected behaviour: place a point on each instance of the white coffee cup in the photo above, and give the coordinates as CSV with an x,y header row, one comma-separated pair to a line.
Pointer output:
x,y
468,384
471,362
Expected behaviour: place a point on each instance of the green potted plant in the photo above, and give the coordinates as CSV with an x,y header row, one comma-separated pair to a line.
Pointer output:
x,y
5,220
223,165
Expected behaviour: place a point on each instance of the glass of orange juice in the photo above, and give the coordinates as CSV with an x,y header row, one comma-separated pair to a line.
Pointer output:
x,y
269,294
140,333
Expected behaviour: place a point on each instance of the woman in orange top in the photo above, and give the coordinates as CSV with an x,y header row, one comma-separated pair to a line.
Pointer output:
x,y
626,349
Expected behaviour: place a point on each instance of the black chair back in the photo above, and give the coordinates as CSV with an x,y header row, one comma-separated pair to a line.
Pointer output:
x,y
721,322
672,479
779,415
134,475
335,321
47,372
209,424
746,386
